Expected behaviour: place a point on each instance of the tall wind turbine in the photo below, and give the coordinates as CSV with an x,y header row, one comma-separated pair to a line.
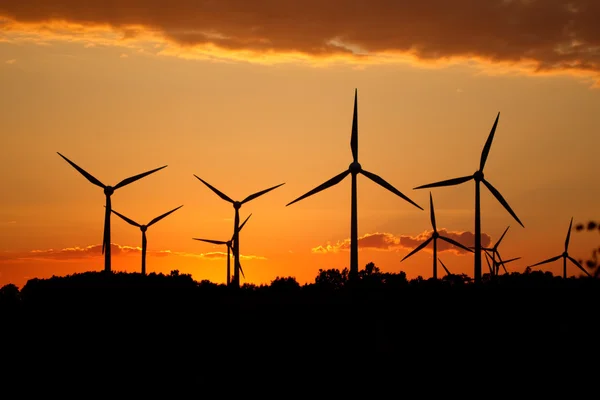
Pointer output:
x,y
478,177
434,237
108,191
236,223
143,228
229,244
564,256
354,169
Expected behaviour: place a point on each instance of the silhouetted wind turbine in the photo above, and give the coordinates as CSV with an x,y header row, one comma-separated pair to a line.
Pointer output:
x,y
478,177
564,256
143,228
493,251
229,244
354,169
434,237
236,229
496,264
108,191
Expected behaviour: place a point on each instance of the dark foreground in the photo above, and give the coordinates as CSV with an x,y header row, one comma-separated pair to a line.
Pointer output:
x,y
382,314
111,328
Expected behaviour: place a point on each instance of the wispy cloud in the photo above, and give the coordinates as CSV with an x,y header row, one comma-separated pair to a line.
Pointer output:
x,y
391,242
539,37
79,253
12,61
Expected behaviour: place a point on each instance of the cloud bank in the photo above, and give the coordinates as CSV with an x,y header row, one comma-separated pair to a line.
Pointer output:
x,y
537,36
391,242
80,253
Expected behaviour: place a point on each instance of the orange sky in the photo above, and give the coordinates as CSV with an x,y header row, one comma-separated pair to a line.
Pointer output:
x,y
250,96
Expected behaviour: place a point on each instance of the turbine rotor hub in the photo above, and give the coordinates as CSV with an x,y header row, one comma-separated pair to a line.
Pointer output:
x,y
237,205
435,235
565,254
143,228
478,176
109,190
355,168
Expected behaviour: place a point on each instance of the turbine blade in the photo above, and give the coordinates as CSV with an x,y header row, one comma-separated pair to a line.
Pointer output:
x,y
422,245
511,260
574,261
499,240
210,241
488,144
255,195
244,223
134,178
568,235
354,137
487,260
220,194
124,218
546,261
88,176
455,243
333,181
381,182
443,266
432,213
448,182
241,269
155,220
499,197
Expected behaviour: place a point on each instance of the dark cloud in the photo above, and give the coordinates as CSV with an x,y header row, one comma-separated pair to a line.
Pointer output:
x,y
547,35
390,242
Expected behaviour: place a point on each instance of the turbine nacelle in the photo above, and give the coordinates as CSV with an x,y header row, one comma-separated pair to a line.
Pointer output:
x,y
355,168
109,190
143,228
237,204
478,176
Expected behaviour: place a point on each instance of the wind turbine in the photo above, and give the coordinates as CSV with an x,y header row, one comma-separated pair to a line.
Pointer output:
x,y
478,177
108,191
434,237
143,228
493,251
496,264
564,256
236,223
229,244
354,169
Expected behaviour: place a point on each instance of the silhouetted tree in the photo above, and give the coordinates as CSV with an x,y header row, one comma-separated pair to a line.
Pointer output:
x,y
9,295
285,284
331,278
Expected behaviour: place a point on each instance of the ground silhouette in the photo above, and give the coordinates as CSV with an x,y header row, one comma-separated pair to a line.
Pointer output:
x,y
377,314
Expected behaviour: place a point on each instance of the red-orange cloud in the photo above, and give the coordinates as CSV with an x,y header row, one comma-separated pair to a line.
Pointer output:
x,y
391,242
539,35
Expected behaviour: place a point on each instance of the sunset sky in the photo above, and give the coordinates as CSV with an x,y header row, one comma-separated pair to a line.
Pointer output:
x,y
250,94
